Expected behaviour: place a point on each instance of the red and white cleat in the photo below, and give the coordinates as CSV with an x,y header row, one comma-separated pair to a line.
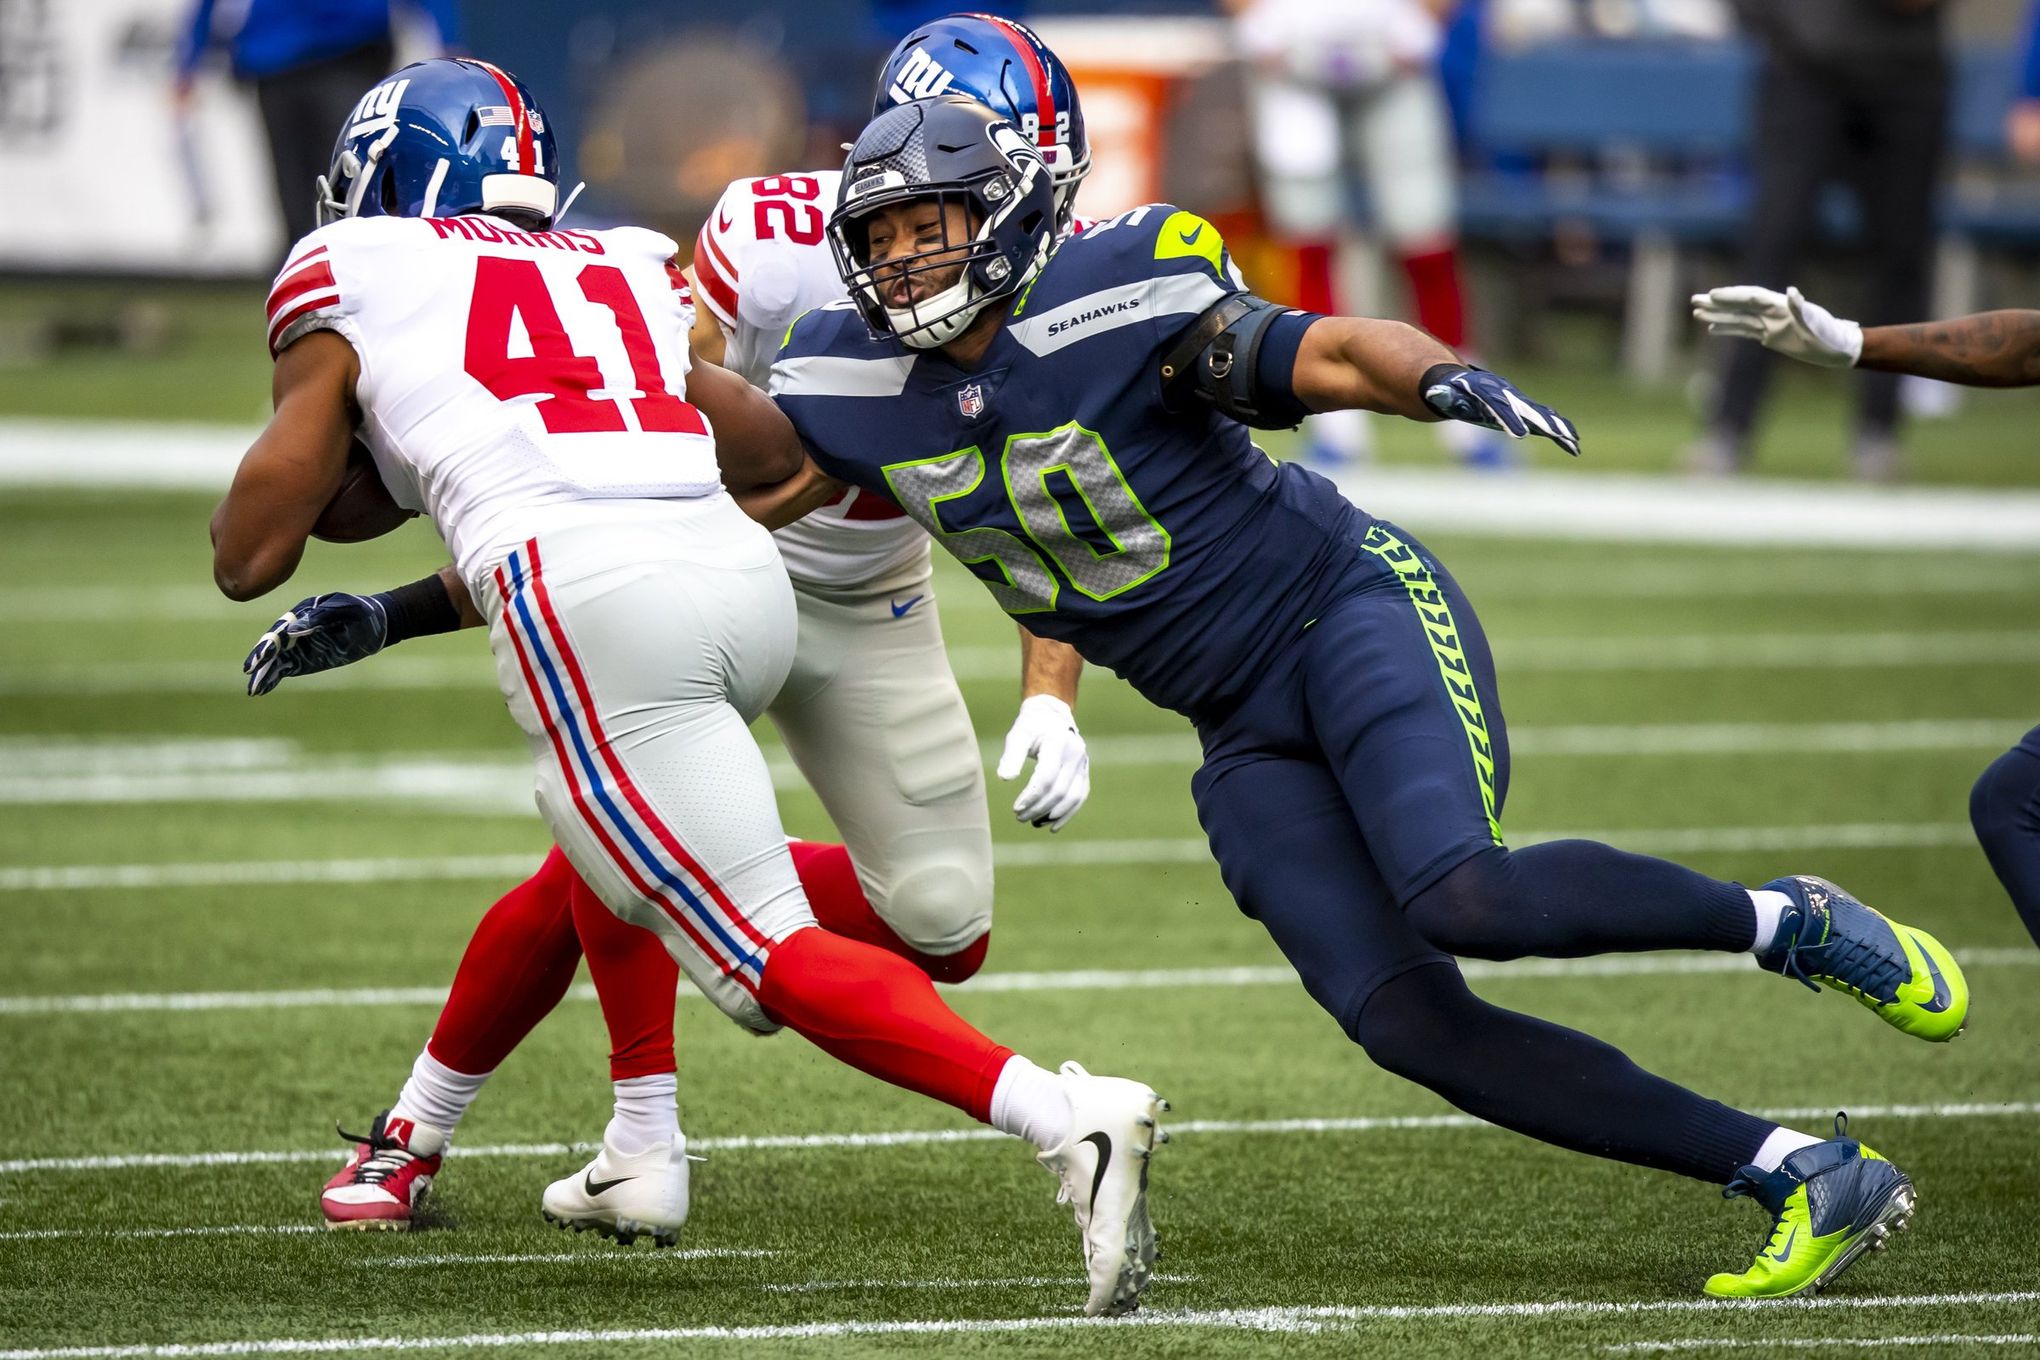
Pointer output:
x,y
385,1176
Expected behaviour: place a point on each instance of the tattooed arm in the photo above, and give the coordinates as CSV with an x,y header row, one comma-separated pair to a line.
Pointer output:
x,y
1989,349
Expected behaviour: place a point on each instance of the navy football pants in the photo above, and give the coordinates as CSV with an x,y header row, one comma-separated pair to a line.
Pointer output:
x,y
2004,807
1353,801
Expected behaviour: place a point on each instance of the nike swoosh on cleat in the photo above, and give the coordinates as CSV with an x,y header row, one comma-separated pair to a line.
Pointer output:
x,y
899,611
595,1187
1943,997
1784,1253
1104,1142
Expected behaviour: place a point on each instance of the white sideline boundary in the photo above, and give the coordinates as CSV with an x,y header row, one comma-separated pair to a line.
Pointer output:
x,y
1566,503
1297,1319
1082,980
895,1138
1070,853
1840,1343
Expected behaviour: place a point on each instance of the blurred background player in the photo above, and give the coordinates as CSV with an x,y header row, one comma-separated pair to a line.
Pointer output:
x,y
1335,88
1854,91
307,61
871,713
1990,349
624,590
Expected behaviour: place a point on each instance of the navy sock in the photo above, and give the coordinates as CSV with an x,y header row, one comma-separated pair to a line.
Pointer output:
x,y
2004,807
1551,1083
1568,899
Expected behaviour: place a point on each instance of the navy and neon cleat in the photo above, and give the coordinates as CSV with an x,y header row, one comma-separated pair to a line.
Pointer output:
x,y
1829,1204
1903,974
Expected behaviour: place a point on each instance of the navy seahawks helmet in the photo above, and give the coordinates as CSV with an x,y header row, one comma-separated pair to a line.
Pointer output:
x,y
949,150
440,138
1001,64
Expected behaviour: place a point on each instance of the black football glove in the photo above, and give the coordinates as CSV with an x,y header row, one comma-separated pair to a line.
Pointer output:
x,y
321,633
1491,401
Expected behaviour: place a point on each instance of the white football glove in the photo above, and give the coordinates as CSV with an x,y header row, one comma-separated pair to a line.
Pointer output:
x,y
1785,322
1046,730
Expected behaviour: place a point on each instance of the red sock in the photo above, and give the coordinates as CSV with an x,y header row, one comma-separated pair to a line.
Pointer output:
x,y
635,979
1434,287
880,1014
1314,287
841,908
518,965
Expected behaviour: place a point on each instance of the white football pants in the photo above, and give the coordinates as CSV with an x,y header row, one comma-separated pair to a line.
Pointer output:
x,y
633,653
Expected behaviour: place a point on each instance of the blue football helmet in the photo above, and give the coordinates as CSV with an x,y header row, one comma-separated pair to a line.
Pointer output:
x,y
950,151
1003,65
440,138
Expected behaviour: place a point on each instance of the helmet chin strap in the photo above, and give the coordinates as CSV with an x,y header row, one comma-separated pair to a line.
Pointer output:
x,y
958,310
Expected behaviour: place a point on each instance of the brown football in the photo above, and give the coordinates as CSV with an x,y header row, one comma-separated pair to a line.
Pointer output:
x,y
362,508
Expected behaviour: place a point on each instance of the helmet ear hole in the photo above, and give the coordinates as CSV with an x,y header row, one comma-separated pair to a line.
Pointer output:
x,y
389,194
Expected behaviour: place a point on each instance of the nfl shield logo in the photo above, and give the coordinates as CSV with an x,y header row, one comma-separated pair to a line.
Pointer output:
x,y
971,401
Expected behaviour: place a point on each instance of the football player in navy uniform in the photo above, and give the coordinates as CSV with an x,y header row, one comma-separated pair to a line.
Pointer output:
x,y
1070,420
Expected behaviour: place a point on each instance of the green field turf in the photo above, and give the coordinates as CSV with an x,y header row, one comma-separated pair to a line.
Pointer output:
x,y
1714,703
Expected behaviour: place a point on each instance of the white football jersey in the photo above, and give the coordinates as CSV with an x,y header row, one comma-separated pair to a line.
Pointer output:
x,y
507,377
761,260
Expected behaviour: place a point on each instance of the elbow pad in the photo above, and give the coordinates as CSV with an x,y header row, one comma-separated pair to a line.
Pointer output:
x,y
1238,357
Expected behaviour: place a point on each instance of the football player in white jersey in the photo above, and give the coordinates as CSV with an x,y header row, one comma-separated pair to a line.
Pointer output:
x,y
871,713
531,390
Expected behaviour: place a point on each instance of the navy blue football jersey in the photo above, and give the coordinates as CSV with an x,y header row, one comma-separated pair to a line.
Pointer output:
x,y
1164,546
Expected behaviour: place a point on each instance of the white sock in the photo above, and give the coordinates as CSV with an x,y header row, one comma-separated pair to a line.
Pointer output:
x,y
1782,1143
1029,1102
436,1094
1770,905
647,1113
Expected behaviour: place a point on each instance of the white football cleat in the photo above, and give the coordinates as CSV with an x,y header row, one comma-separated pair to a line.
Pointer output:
x,y
1103,1166
624,1197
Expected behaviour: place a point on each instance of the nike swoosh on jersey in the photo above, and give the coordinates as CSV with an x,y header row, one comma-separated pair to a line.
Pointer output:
x,y
1189,238
722,221
899,611
595,1187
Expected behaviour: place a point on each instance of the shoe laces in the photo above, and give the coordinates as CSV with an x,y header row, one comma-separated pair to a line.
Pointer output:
x,y
386,1156
1877,970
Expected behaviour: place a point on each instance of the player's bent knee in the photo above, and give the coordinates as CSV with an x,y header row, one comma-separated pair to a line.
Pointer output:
x,y
2005,798
740,1004
1468,911
1406,1024
943,912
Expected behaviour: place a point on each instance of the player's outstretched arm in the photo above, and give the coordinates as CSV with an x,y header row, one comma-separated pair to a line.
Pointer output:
x,y
1988,349
781,503
1046,730
325,632
754,441
291,471
1359,363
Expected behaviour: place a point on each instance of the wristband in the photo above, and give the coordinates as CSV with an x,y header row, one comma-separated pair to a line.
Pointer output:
x,y
419,609
1435,376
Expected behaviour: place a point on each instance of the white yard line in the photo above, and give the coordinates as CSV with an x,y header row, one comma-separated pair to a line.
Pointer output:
x,y
1040,853
223,1230
1305,1319
1080,980
1008,1282
894,1138
1514,655
1838,1343
562,1257
1565,503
